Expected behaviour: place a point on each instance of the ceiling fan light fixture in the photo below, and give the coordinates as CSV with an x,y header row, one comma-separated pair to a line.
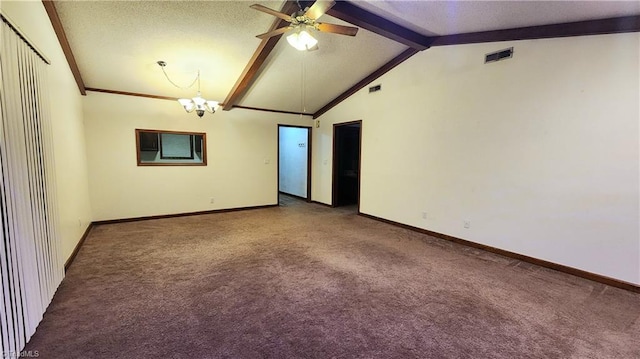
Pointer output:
x,y
302,22
302,40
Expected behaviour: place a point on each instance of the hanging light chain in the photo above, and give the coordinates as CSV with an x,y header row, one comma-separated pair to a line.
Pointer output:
x,y
198,78
163,64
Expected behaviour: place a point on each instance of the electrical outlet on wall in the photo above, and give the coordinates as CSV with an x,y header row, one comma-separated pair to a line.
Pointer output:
x,y
467,224
424,215
212,200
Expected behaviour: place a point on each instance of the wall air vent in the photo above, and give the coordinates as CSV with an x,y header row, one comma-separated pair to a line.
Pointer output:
x,y
498,55
375,88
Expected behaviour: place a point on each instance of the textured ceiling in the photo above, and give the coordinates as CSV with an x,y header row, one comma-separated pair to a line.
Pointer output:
x,y
117,43
118,49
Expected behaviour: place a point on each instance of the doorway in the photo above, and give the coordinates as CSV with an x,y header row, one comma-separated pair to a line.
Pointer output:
x,y
347,144
294,161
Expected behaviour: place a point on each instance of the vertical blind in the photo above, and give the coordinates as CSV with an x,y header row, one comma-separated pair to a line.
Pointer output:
x,y
31,267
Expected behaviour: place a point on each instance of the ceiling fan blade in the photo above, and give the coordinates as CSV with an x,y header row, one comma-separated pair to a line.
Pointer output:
x,y
319,8
338,29
275,32
271,12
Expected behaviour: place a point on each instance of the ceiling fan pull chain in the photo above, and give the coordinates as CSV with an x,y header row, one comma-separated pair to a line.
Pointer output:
x,y
303,99
304,84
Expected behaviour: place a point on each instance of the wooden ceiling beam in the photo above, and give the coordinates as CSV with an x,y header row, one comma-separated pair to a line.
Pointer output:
x,y
346,11
252,70
272,110
367,80
580,28
50,7
136,94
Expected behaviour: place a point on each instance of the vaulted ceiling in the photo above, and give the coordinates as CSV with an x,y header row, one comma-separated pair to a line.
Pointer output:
x,y
116,44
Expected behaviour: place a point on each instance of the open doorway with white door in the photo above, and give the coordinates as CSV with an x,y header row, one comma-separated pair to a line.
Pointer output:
x,y
294,163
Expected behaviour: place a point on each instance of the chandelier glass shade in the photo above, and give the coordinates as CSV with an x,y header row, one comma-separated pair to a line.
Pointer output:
x,y
199,104
301,39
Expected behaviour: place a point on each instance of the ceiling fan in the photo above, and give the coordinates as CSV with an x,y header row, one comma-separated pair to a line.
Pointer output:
x,y
303,20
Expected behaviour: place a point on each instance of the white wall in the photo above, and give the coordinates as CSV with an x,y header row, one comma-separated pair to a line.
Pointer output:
x,y
540,152
66,117
293,160
238,144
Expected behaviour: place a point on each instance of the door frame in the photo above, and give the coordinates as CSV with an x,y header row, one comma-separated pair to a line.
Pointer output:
x,y
334,185
309,137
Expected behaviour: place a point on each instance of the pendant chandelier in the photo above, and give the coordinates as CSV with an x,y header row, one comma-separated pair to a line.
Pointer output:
x,y
198,103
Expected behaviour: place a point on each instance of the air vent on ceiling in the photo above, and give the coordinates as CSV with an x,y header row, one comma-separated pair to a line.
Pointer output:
x,y
498,55
375,88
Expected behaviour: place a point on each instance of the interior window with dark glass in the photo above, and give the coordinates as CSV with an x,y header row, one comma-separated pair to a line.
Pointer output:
x,y
166,148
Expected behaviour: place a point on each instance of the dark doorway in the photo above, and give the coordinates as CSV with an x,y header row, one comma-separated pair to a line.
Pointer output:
x,y
294,161
347,141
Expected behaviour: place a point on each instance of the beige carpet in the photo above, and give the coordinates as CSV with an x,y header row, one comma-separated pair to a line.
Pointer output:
x,y
305,281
